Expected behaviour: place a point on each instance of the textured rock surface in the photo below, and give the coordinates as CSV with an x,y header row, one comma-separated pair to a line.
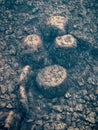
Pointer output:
x,y
21,18
64,51
52,80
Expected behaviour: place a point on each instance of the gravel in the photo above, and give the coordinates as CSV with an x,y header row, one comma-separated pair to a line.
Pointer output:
x,y
77,109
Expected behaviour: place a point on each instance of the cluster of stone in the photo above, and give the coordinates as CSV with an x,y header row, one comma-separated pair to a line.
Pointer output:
x,y
53,79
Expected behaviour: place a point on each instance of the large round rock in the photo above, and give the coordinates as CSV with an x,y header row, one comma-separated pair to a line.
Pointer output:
x,y
33,42
34,53
64,51
52,80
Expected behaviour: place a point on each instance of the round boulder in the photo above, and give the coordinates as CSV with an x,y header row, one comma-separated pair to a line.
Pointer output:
x,y
52,80
33,53
64,51
33,42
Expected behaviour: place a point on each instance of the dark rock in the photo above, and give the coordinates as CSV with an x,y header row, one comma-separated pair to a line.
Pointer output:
x,y
52,80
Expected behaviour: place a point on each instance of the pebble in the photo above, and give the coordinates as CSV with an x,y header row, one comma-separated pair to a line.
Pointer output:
x,y
2,104
9,105
60,126
47,126
23,99
81,82
79,107
67,95
93,79
91,117
58,108
3,89
58,117
25,73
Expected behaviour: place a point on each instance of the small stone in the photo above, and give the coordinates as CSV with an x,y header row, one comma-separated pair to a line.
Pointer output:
x,y
3,89
91,117
2,104
76,115
71,128
92,97
49,104
25,73
76,128
58,108
10,120
67,95
47,126
88,128
93,79
60,126
81,82
79,107
58,117
9,105
23,98
81,101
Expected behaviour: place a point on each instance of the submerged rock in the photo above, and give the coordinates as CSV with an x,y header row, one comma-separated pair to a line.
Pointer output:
x,y
34,53
64,50
52,80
